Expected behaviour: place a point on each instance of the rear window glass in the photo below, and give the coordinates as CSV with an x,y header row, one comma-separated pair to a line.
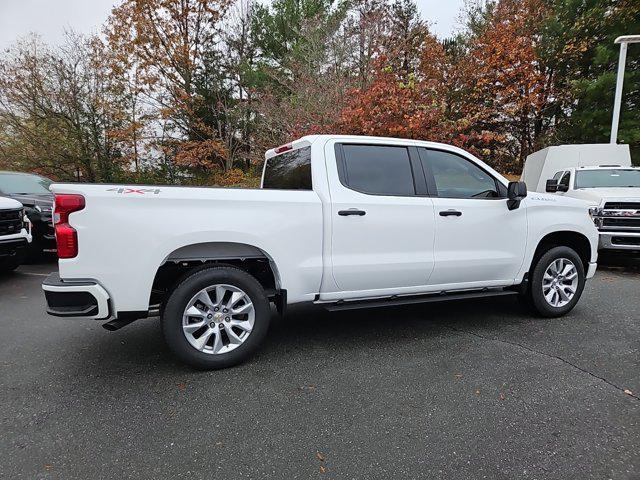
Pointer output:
x,y
289,171
378,170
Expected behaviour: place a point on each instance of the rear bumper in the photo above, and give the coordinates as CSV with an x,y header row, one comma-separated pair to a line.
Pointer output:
x,y
619,241
75,298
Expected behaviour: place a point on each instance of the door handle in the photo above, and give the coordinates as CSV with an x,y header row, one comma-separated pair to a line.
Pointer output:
x,y
450,213
351,211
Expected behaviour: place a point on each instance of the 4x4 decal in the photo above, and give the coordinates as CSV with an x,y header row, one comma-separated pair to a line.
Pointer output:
x,y
141,191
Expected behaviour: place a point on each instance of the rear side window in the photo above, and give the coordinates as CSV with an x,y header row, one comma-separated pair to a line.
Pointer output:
x,y
289,171
376,169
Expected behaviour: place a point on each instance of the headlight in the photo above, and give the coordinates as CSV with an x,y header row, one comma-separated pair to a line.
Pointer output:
x,y
26,223
595,214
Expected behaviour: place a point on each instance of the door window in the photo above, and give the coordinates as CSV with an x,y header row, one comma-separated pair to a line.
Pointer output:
x,y
376,169
565,179
456,177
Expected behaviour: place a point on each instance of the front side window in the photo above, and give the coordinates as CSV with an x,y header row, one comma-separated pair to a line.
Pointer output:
x,y
566,178
377,169
608,178
557,176
289,171
456,177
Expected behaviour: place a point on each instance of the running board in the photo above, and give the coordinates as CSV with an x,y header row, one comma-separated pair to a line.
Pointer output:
x,y
410,300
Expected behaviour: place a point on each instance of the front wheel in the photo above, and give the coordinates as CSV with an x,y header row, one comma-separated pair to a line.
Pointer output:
x,y
557,282
216,318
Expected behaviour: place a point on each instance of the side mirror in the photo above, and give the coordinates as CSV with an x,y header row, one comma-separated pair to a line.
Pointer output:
x,y
552,186
516,192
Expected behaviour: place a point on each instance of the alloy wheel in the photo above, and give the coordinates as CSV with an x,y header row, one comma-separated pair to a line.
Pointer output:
x,y
560,282
218,319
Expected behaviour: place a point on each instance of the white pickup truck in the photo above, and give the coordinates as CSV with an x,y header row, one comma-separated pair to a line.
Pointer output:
x,y
613,193
341,221
15,234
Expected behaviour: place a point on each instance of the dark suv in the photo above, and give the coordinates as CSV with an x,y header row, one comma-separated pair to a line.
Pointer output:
x,y
33,192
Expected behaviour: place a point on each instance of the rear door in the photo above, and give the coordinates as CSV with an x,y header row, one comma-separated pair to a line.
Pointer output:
x,y
479,241
381,217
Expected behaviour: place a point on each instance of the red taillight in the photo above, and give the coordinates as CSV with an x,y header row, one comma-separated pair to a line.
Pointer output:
x,y
66,235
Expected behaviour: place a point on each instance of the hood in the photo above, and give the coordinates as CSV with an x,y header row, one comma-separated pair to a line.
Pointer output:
x,y
31,200
7,203
631,194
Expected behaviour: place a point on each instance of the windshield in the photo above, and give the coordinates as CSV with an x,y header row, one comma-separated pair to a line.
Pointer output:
x,y
16,183
607,178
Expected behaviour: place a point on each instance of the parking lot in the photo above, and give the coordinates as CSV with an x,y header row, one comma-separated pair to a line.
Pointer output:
x,y
478,389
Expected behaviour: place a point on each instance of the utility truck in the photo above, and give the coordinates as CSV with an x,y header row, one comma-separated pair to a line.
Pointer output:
x,y
344,222
613,193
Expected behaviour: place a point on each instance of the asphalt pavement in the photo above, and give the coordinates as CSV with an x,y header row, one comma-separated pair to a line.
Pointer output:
x,y
470,390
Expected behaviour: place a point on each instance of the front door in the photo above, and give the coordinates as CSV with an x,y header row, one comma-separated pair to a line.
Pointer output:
x,y
479,241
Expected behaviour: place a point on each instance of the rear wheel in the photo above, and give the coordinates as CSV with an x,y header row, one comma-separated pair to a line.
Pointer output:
x,y
557,282
216,318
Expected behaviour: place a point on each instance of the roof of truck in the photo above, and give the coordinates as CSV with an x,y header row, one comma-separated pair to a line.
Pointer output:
x,y
309,139
607,167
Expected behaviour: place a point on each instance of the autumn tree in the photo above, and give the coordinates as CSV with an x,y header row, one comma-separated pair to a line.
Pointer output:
x,y
509,88
302,73
171,45
56,111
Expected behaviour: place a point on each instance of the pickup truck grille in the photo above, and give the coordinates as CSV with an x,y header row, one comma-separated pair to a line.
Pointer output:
x,y
622,206
10,221
620,217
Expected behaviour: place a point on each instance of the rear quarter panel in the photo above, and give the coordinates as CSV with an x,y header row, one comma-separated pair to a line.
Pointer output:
x,y
126,233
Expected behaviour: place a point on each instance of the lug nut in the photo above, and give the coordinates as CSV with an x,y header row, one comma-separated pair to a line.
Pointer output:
x,y
215,309
227,319
224,310
212,324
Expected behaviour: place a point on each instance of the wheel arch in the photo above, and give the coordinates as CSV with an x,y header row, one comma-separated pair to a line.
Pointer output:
x,y
187,258
564,238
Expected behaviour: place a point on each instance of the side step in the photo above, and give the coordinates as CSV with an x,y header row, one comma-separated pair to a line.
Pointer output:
x,y
409,300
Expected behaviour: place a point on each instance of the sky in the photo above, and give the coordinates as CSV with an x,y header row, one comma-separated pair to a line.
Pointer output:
x,y
50,18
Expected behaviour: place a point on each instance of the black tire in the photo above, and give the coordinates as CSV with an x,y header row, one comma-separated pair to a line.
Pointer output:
x,y
10,264
171,320
535,295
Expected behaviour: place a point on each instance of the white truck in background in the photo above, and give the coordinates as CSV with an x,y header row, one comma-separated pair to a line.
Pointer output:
x,y
600,174
340,221
15,234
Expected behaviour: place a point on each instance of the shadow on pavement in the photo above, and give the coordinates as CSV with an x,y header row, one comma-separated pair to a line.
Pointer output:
x,y
629,261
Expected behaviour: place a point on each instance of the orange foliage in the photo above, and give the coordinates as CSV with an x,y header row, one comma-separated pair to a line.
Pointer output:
x,y
489,101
